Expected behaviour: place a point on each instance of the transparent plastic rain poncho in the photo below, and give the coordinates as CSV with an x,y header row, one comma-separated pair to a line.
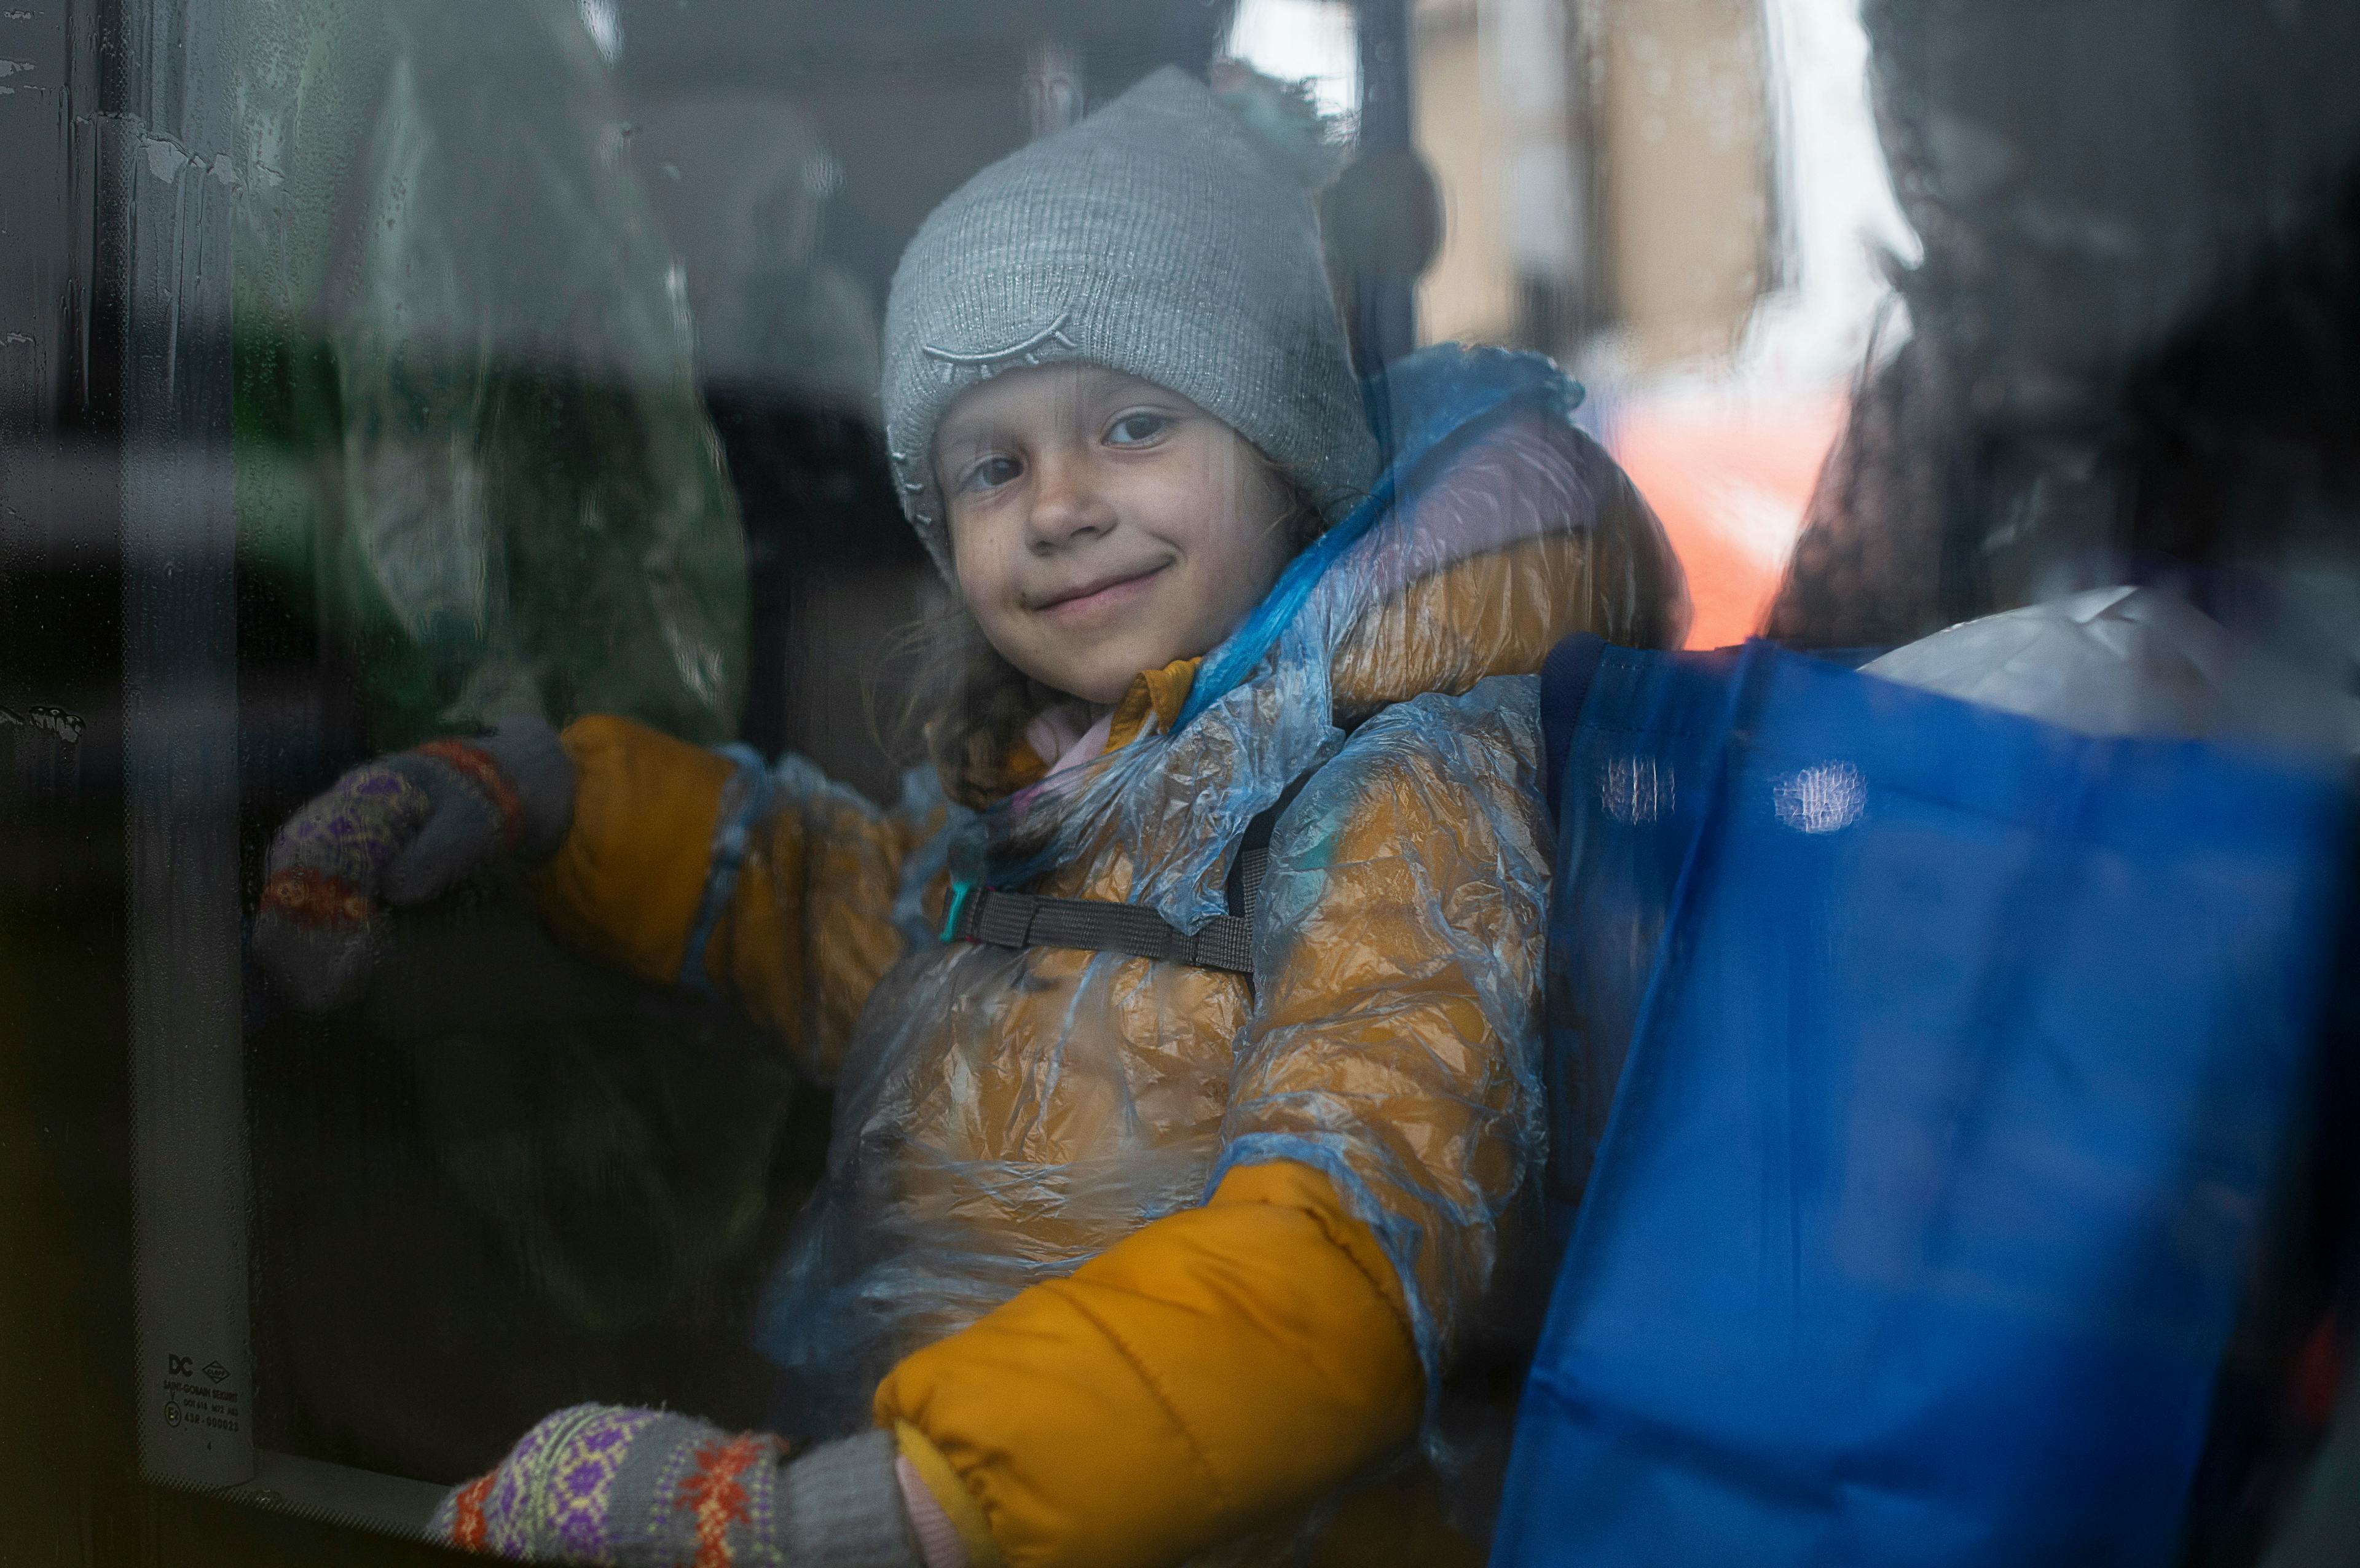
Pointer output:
x,y
1003,1116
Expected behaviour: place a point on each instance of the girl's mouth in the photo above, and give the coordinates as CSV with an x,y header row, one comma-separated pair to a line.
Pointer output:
x,y
1099,594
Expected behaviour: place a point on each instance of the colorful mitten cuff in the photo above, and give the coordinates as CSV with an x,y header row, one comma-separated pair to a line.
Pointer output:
x,y
604,1483
510,791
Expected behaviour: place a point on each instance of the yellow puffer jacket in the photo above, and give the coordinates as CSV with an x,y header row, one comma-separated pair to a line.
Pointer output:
x,y
1141,1260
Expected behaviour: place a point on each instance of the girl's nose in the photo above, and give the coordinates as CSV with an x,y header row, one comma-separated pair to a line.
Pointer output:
x,y
1067,507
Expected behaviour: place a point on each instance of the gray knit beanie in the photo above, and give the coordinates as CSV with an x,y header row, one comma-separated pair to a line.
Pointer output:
x,y
1158,237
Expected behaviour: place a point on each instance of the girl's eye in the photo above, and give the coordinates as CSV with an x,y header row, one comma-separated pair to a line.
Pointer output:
x,y
990,473
1136,430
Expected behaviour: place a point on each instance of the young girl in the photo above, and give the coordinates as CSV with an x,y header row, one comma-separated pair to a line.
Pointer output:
x,y
1154,1217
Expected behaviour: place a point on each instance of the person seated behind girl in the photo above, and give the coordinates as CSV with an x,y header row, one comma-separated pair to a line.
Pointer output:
x,y
1118,1260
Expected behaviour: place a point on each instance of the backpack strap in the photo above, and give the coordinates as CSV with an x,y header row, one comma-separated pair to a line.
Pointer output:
x,y
1253,852
1003,918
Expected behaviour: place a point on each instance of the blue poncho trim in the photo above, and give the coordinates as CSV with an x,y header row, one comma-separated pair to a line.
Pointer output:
x,y
1434,399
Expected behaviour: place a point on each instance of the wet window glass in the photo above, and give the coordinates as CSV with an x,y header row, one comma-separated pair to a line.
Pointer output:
x,y
1233,781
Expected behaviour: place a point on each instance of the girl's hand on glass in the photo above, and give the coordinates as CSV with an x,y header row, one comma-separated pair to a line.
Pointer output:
x,y
401,829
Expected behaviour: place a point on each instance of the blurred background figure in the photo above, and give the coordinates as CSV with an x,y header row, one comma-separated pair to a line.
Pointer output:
x,y
2132,351
743,181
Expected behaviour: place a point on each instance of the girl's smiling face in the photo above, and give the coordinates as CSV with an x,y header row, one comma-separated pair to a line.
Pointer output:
x,y
1101,525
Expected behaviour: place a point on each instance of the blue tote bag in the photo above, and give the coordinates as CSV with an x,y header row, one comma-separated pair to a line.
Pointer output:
x,y
1956,1056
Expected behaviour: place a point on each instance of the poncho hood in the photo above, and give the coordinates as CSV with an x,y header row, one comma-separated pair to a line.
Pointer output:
x,y
1496,529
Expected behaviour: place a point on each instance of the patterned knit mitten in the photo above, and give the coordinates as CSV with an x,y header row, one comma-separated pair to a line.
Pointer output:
x,y
405,828
649,1489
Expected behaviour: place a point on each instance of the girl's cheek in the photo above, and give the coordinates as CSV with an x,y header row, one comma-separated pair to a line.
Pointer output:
x,y
962,567
975,562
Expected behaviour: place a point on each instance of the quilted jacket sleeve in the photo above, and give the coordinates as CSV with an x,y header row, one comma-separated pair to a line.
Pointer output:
x,y
1218,1367
808,928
